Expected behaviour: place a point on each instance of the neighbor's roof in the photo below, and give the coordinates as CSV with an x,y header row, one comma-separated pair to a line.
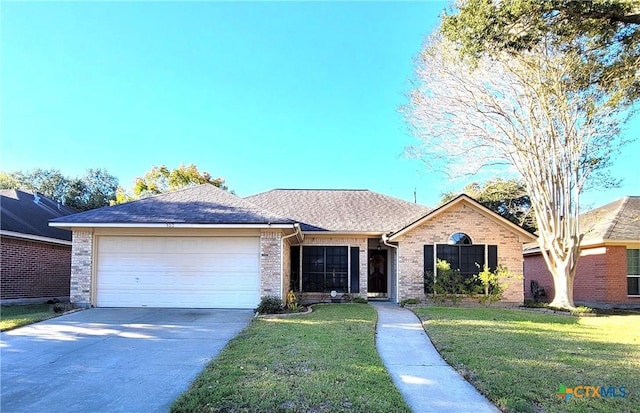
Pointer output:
x,y
202,204
340,210
21,214
618,220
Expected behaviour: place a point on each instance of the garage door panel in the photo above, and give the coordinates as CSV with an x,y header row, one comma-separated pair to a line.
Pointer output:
x,y
218,272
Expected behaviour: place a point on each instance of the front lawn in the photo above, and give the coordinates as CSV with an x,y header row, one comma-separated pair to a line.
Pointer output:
x,y
322,362
519,358
19,315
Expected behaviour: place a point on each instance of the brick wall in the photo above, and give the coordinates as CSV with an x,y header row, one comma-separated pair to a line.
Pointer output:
x,y
32,269
535,269
465,218
616,281
270,261
601,276
81,257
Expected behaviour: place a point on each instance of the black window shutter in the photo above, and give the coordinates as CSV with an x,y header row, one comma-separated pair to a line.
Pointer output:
x,y
492,255
428,268
355,269
295,268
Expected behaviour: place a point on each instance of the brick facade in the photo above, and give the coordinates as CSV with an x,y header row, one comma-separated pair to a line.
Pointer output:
x,y
271,263
81,267
601,277
33,269
462,217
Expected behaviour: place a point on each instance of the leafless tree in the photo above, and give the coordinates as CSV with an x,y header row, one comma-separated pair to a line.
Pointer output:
x,y
517,111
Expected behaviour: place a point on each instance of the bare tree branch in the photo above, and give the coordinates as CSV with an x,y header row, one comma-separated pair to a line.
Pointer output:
x,y
517,109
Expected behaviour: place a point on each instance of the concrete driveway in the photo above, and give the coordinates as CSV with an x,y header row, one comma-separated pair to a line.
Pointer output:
x,y
111,360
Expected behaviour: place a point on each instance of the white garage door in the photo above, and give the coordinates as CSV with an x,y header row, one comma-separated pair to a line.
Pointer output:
x,y
188,272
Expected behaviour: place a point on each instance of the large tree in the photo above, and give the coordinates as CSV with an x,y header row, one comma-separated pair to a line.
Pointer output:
x,y
605,33
518,110
160,179
507,198
95,189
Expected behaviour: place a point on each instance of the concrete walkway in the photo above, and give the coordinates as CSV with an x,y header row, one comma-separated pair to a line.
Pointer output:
x,y
426,381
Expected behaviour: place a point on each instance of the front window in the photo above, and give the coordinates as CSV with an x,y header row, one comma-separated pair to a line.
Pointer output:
x,y
633,271
325,269
468,259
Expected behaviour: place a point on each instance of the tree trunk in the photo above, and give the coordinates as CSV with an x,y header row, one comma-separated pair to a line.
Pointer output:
x,y
563,286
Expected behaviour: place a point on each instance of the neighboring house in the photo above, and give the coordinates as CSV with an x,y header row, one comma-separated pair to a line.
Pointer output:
x,y
205,247
35,258
608,273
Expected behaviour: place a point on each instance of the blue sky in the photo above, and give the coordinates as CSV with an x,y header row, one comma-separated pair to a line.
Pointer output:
x,y
267,95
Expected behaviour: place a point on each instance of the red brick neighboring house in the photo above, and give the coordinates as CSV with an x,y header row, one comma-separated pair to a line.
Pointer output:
x,y
608,273
35,258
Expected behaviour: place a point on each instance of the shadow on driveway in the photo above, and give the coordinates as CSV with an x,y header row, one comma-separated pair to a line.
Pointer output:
x,y
112,360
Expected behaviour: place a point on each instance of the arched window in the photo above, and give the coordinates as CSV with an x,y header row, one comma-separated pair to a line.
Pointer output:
x,y
460,238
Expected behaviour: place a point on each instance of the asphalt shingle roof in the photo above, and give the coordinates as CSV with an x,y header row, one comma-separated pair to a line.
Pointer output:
x,y
618,220
202,204
20,213
340,209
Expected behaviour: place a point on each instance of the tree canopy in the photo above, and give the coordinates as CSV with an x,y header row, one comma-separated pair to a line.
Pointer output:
x,y
95,189
507,198
160,179
605,33
515,110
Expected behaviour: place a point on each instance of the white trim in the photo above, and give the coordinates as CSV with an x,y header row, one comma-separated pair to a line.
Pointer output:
x,y
333,233
384,241
34,237
297,234
166,225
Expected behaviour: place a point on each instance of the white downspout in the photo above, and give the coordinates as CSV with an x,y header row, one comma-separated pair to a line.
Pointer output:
x,y
297,233
384,241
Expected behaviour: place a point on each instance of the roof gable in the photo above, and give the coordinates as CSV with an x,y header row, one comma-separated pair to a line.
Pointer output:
x,y
340,210
25,213
202,204
525,235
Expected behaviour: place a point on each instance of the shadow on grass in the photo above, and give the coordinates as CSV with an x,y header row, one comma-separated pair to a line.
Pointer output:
x,y
519,360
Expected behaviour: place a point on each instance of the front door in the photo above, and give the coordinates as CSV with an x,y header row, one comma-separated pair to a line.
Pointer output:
x,y
377,280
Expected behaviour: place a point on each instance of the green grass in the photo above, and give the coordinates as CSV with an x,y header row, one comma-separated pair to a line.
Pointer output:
x,y
519,358
20,315
322,362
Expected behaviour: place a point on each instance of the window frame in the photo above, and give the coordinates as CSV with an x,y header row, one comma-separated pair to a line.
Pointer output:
x,y
329,278
637,270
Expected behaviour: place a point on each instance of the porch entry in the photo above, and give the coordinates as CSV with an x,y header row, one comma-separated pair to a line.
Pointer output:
x,y
377,281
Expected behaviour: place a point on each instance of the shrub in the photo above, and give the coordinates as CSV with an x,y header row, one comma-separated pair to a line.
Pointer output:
x,y
295,307
409,301
582,310
534,304
269,305
448,284
62,307
493,283
360,300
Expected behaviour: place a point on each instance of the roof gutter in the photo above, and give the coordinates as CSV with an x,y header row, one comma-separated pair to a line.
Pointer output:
x,y
164,225
385,240
34,237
